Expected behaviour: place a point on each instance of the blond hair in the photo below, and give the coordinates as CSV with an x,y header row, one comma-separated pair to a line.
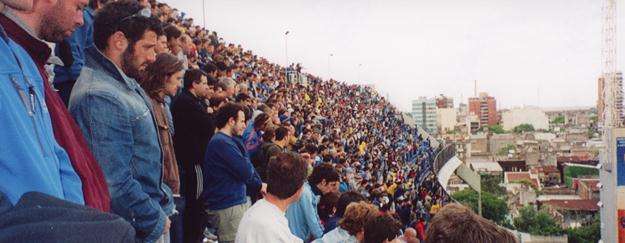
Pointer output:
x,y
356,215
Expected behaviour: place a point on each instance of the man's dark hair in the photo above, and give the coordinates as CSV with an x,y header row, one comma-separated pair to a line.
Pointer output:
x,y
281,133
192,76
324,171
229,110
93,4
172,32
121,16
216,100
345,199
242,97
260,120
381,228
286,173
209,68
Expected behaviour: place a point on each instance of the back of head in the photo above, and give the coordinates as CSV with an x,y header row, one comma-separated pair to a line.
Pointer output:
x,y
346,199
324,171
381,228
357,215
286,173
281,133
457,223
227,83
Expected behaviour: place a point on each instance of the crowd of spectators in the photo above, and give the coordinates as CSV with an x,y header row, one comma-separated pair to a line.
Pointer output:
x,y
189,138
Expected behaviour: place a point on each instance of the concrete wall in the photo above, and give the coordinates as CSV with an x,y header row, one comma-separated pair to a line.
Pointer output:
x,y
526,115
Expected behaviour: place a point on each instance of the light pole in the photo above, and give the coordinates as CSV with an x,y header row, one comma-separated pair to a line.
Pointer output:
x,y
331,55
286,50
359,71
204,13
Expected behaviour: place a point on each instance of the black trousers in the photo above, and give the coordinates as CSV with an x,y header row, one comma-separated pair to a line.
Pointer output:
x,y
194,216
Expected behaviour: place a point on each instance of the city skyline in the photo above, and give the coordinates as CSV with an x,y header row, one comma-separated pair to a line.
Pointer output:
x,y
530,53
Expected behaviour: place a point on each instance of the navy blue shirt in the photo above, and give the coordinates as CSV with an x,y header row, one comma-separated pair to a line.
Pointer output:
x,y
228,173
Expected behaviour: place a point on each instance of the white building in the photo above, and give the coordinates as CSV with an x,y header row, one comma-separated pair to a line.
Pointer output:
x,y
424,113
447,119
526,115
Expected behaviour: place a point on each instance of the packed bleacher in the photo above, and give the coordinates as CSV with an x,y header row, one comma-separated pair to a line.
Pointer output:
x,y
168,133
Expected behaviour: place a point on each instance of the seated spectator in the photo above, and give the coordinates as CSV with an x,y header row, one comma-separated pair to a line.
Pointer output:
x,y
266,221
252,136
457,223
229,174
327,206
344,200
276,144
303,217
195,128
105,99
382,229
351,226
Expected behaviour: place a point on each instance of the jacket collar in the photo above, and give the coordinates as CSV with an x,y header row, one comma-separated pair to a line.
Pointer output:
x,y
15,29
96,60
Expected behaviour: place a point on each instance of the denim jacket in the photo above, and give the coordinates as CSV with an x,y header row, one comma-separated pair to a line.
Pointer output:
x,y
303,217
30,157
116,117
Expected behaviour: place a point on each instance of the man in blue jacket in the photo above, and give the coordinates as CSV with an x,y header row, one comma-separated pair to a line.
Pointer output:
x,y
229,173
30,157
116,117
303,218
72,52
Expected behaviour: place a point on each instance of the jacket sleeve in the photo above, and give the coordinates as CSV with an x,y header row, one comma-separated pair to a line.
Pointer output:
x,y
312,217
239,165
109,133
72,185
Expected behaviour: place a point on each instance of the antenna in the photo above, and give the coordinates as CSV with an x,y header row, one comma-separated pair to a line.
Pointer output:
x,y
475,88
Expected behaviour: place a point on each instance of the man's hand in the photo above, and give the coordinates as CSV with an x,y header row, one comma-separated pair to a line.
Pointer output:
x,y
167,226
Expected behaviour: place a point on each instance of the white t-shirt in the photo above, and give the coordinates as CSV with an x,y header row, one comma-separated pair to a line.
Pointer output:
x,y
264,222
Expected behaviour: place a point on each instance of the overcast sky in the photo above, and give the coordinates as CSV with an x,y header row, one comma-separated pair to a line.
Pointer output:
x,y
531,52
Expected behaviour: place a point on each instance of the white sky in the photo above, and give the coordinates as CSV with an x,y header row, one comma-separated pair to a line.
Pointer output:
x,y
517,50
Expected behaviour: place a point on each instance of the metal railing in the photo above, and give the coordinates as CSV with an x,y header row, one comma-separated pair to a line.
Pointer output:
x,y
443,156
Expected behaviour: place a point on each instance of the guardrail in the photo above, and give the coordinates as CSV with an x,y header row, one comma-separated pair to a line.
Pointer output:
x,y
443,156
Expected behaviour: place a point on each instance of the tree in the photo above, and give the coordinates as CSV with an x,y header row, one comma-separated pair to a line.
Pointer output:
x,y
558,120
496,129
536,222
493,208
586,234
503,151
491,184
523,128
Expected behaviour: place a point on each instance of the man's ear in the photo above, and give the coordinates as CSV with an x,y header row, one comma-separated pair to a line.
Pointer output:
x,y
118,41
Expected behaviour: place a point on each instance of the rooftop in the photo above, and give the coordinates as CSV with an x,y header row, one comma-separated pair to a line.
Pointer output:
x,y
512,177
574,205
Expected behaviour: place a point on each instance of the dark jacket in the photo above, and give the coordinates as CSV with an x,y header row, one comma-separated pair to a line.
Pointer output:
x,y
261,158
194,128
38,217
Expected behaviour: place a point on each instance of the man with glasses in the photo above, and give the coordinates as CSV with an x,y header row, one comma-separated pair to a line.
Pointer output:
x,y
116,117
194,129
